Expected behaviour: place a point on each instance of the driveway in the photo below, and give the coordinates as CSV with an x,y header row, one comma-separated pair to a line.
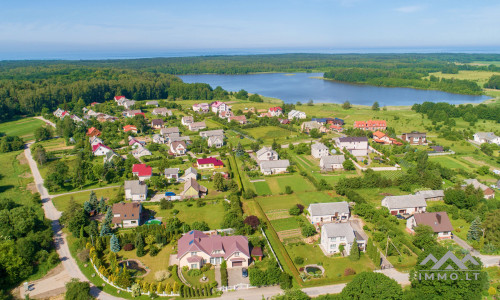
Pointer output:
x,y
235,277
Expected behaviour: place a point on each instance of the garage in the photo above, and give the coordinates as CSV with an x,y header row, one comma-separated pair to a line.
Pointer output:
x,y
237,263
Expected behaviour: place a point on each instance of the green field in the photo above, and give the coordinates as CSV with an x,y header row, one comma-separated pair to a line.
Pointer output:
x,y
14,177
295,181
23,128
62,202
261,188
212,213
277,202
269,133
480,77
55,144
285,224
449,162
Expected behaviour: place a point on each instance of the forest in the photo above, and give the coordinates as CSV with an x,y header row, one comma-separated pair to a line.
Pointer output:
x,y
28,87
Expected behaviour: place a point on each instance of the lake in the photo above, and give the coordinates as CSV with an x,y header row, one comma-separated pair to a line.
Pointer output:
x,y
302,87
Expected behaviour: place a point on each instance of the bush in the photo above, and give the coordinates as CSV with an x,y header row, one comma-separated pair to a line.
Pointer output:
x,y
83,255
54,258
153,250
206,267
194,272
128,247
165,204
294,211
308,230
299,260
162,275
288,189
349,271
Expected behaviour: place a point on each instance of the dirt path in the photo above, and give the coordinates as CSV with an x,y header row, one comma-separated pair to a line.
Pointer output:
x,y
46,121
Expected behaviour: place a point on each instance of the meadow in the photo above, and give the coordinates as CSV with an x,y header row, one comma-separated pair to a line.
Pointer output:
x,y
15,176
62,202
23,128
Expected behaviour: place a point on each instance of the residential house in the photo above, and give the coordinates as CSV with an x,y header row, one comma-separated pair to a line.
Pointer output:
x,y
219,106
172,174
328,212
157,123
100,149
371,125
331,162
178,148
296,114
134,143
158,139
438,221
190,173
308,126
76,118
431,195
152,103
209,163
109,156
209,133
336,128
331,121
225,114
196,249
415,138
170,131
192,189
284,121
275,111
438,148
94,140
319,150
239,119
186,120
270,167
357,146
132,113
162,111
59,113
120,98
135,190
486,137
488,192
185,139
128,104
405,204
216,141
140,151
335,234
196,126
126,215
130,128
266,153
142,171
201,108
382,138
92,131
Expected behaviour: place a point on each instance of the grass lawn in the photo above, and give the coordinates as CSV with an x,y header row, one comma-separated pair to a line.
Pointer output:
x,y
449,162
62,202
211,124
285,224
152,263
269,133
334,266
480,77
317,197
23,128
15,175
277,202
55,144
212,212
261,188
461,227
195,280
295,181
403,263
375,195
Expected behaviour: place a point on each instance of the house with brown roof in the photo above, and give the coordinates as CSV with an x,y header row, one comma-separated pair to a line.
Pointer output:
x,y
126,215
186,120
197,126
415,138
192,189
240,119
157,123
488,192
93,132
196,249
438,221
178,148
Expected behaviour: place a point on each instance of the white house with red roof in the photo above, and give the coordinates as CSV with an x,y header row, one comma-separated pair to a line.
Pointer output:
x,y
100,149
196,249
275,111
120,98
210,163
142,171
59,113
219,106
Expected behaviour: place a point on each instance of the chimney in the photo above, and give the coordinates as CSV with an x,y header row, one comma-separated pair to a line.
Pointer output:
x,y
438,217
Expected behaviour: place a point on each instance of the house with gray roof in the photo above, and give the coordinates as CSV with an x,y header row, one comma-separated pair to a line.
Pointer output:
x,y
335,234
405,204
172,174
486,137
332,162
135,190
266,153
270,167
158,139
209,133
318,150
190,173
217,141
170,131
431,195
162,111
152,103
357,146
328,212
488,192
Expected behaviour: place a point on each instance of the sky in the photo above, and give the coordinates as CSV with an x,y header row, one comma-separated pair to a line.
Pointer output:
x,y
29,27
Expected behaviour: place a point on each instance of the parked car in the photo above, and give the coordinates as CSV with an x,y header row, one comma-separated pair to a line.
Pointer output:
x,y
244,272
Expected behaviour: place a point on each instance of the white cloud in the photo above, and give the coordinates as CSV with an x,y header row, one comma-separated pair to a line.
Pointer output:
x,y
409,9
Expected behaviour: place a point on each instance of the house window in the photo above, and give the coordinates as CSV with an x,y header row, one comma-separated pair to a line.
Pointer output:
x,y
333,239
342,238
236,254
133,222
194,266
193,253
333,246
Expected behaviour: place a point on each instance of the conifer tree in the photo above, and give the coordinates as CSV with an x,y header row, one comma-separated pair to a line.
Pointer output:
x,y
354,253
475,231
114,244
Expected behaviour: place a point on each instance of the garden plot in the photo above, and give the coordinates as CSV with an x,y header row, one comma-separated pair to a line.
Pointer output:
x,y
277,214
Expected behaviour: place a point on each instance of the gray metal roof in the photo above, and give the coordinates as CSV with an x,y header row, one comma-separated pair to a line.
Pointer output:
x,y
135,186
209,133
264,150
171,171
338,230
353,139
404,201
332,159
330,208
270,164
319,146
431,193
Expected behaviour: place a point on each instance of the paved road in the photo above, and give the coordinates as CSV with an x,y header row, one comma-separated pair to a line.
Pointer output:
x,y
70,266
46,121
488,260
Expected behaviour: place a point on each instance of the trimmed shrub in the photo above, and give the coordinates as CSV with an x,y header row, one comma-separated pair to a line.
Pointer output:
x,y
128,247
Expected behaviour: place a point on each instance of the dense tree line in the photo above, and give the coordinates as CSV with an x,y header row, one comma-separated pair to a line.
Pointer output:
x,y
441,111
493,82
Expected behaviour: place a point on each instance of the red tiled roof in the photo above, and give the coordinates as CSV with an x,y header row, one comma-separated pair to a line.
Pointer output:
x,y
379,134
119,98
210,160
370,123
198,241
129,128
96,146
93,132
276,108
142,170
